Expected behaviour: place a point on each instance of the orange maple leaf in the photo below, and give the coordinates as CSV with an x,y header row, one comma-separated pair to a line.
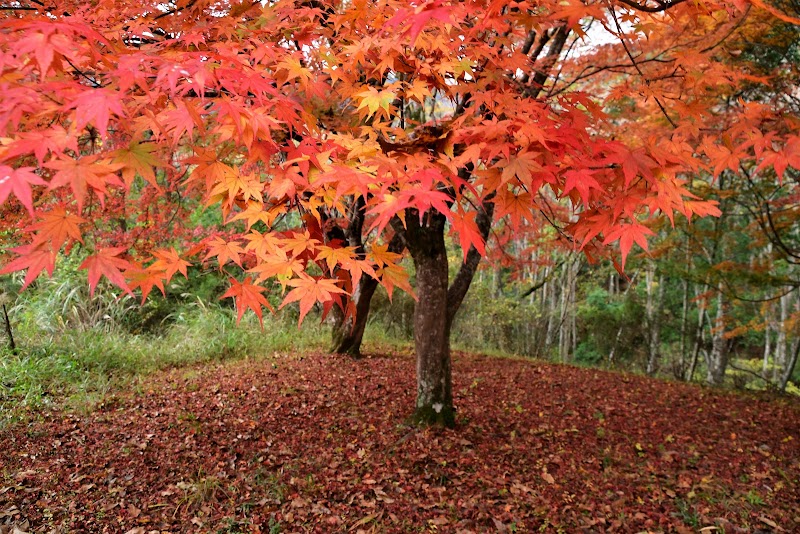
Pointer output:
x,y
83,173
145,279
310,290
170,262
224,251
139,159
247,295
58,226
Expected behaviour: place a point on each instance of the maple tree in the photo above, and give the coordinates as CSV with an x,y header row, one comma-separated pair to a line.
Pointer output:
x,y
333,135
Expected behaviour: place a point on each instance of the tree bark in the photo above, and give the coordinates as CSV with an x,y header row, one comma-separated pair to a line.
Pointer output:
x,y
717,359
653,309
698,339
550,301
787,367
781,340
347,333
567,333
431,329
787,373
436,308
680,373
767,345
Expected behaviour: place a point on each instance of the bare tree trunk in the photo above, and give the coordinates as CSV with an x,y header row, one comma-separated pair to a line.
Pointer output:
x,y
787,374
431,337
613,351
562,316
769,327
698,339
780,340
789,366
551,295
653,307
684,317
573,306
717,359
684,327
767,344
567,332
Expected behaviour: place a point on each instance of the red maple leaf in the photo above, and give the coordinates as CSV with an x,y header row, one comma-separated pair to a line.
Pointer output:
x,y
18,181
95,106
105,262
82,174
35,257
628,234
418,18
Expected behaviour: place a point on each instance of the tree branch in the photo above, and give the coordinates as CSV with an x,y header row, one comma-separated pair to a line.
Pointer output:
x,y
463,279
662,5
636,65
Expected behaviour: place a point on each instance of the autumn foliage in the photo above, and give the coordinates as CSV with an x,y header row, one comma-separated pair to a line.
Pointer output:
x,y
322,129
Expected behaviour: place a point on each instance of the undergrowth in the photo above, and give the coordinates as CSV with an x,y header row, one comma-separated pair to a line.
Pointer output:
x,y
84,365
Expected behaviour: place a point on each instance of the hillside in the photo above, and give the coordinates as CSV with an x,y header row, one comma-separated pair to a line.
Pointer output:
x,y
319,444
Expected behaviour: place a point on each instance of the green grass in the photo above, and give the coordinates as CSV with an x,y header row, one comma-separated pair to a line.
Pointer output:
x,y
75,349
81,366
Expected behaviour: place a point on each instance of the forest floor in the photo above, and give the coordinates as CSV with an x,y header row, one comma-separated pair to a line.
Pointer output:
x,y
319,443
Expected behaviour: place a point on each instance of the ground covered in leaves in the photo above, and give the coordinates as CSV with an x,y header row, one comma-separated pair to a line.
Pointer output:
x,y
319,444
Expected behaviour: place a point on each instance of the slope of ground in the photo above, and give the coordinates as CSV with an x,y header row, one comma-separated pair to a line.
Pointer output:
x,y
319,444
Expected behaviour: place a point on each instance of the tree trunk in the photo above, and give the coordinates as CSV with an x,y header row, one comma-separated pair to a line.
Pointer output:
x,y
347,333
781,340
717,359
788,365
425,241
768,327
432,337
767,345
550,298
567,332
655,298
787,374
698,337
436,308
681,371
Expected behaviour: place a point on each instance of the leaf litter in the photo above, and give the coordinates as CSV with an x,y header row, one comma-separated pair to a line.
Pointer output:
x,y
320,443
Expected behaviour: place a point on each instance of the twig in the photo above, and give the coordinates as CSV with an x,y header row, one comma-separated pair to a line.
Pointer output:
x,y
9,332
636,65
